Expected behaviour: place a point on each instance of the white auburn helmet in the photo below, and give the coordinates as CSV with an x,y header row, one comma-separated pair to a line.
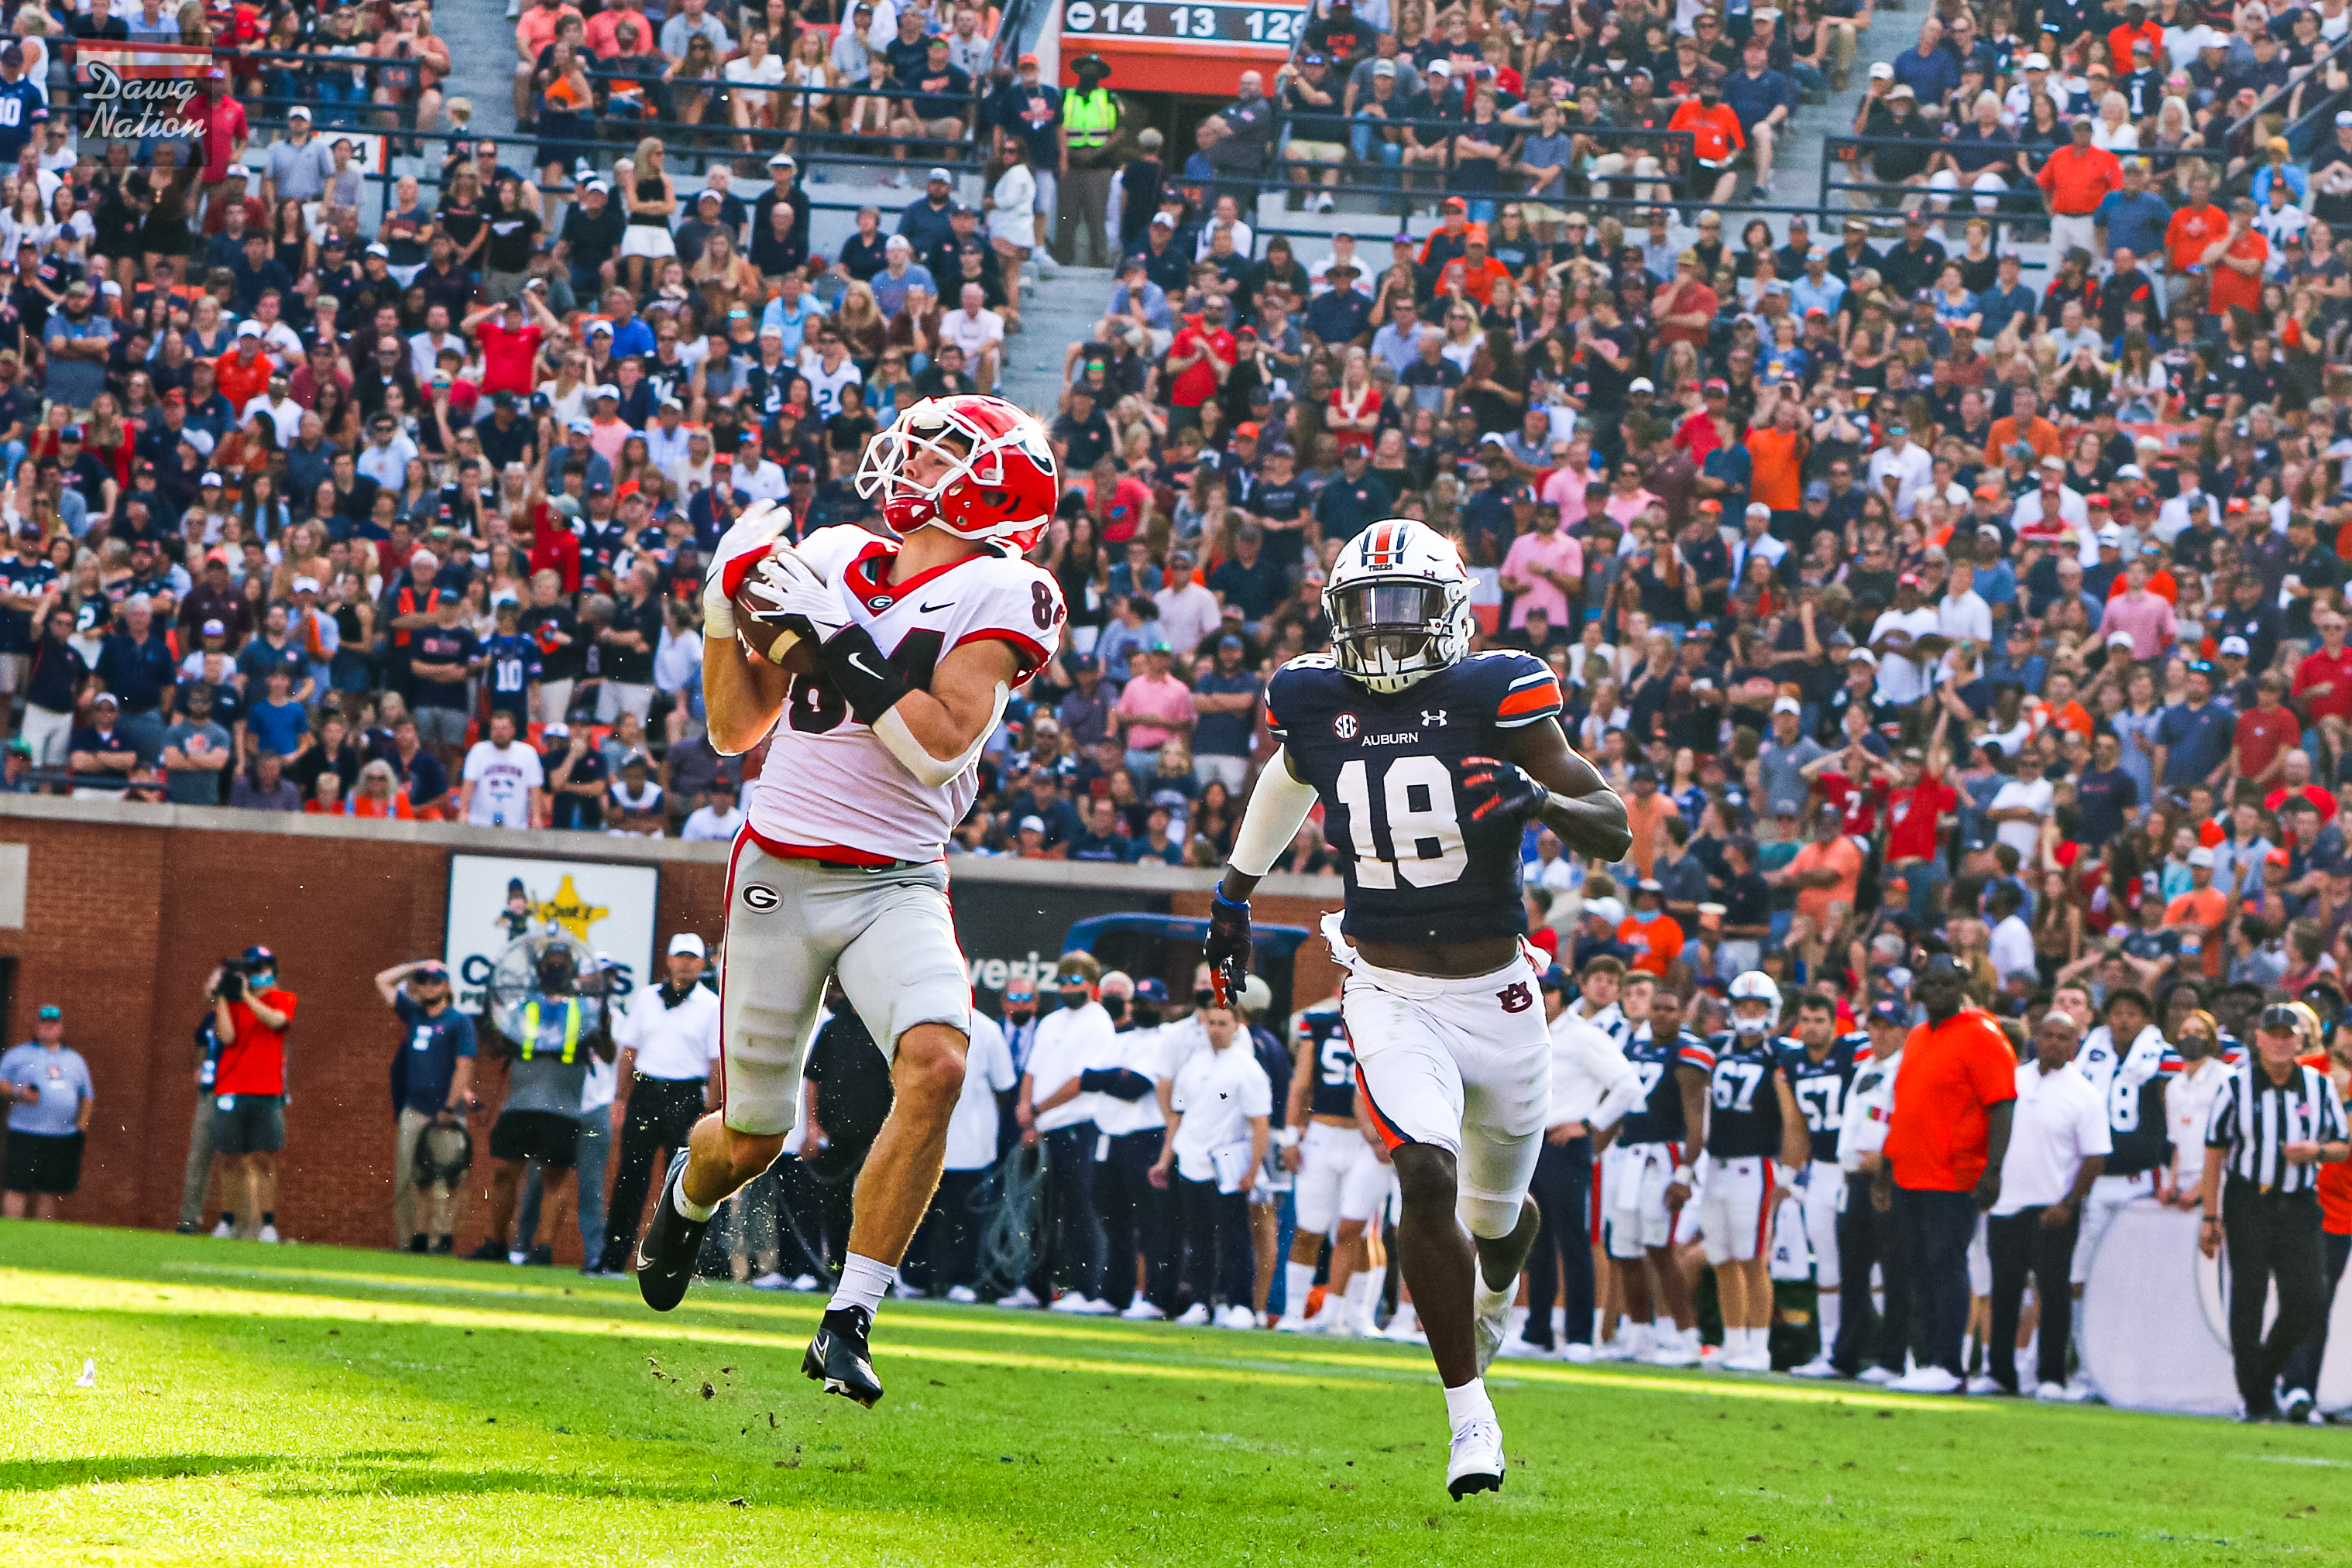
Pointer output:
x,y
1002,485
1755,985
1399,602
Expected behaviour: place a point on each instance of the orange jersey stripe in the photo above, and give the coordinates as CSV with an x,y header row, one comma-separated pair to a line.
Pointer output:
x,y
1534,699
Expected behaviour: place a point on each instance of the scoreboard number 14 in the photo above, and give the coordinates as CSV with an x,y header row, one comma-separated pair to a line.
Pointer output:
x,y
1207,24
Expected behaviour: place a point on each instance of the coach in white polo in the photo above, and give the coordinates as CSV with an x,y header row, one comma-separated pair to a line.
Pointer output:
x,y
2058,1143
668,1039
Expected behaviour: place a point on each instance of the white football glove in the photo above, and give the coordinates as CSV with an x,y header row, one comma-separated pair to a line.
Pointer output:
x,y
789,591
751,540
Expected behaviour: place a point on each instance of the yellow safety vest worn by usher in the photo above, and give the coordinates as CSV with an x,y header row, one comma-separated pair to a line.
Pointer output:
x,y
1089,120
570,1030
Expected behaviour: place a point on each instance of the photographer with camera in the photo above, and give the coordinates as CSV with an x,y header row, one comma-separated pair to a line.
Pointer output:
x,y
250,1015
432,1090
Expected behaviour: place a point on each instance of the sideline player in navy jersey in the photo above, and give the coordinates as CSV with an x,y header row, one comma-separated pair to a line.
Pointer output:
x,y
1429,762
1343,1178
1654,1174
24,104
1752,1122
1820,1065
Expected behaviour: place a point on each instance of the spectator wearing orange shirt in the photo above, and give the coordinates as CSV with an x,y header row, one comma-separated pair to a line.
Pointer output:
x,y
2199,913
243,373
2197,225
2236,261
1717,139
1777,447
1647,812
1479,269
2077,177
1655,936
1825,874
1946,1138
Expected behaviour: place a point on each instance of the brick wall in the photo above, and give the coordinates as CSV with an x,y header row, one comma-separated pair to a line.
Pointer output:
x,y
128,908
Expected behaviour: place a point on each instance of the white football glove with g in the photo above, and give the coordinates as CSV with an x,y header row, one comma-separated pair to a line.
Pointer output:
x,y
791,592
751,540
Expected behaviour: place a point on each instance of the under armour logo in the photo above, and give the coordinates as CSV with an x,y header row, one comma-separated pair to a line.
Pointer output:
x,y
1516,997
1438,718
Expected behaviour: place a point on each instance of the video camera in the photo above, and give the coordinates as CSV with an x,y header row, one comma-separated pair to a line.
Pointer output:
x,y
234,972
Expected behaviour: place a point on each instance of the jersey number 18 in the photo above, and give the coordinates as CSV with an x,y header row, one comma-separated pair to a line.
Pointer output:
x,y
1417,793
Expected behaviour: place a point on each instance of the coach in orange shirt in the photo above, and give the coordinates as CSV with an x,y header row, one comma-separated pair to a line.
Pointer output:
x,y
1945,1141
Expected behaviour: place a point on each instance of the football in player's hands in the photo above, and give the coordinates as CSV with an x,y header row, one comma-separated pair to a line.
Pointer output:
x,y
784,608
1500,792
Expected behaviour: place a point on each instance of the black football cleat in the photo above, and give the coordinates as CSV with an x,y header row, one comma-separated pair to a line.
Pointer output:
x,y
838,1358
671,1242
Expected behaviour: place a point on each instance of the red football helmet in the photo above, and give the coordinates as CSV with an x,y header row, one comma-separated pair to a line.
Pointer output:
x,y
977,466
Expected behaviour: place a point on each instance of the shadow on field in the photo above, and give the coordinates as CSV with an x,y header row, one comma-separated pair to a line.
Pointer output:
x,y
53,1475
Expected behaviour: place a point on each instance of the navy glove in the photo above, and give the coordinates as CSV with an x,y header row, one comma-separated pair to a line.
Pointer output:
x,y
1501,791
1227,948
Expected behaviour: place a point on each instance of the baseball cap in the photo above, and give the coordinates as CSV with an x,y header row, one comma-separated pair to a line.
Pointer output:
x,y
2234,648
1888,1012
1641,385
686,941
47,1014
1882,71
1787,704
942,176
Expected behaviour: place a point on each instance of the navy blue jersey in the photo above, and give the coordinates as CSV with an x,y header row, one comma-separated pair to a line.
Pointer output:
x,y
1660,1119
1323,1052
1821,1086
1743,1113
1416,869
23,105
512,664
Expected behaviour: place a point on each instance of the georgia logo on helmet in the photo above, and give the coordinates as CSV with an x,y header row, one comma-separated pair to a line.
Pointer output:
x,y
1399,604
1755,985
978,466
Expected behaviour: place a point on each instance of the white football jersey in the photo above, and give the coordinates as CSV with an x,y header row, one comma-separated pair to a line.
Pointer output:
x,y
829,783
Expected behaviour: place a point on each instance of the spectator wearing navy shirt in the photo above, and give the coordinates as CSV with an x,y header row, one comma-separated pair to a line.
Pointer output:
x,y
136,665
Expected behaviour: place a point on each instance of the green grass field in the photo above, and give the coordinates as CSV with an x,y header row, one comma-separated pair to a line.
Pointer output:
x,y
259,1405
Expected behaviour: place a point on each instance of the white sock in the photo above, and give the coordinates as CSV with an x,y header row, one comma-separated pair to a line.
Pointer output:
x,y
1298,1279
1663,1332
1831,1318
1361,1286
1468,1402
699,1213
863,1281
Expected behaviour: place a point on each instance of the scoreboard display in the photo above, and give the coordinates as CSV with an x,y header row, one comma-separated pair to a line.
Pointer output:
x,y
1211,26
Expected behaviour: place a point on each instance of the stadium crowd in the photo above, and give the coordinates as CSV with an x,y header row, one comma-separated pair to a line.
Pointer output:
x,y
1916,610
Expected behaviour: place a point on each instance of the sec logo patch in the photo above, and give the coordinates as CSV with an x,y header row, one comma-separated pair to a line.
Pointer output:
x,y
758,896
1345,727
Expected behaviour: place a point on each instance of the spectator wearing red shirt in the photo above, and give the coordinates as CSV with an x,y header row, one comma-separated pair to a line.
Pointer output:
x,y
2078,177
1711,427
2323,682
509,345
225,132
2266,732
1917,810
250,1017
1946,1138
1202,349
1680,311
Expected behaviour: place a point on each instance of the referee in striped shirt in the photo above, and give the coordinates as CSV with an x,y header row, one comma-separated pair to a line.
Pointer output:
x,y
2275,1121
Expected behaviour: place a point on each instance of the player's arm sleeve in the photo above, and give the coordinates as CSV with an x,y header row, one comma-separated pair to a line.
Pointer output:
x,y
1277,809
1118,1082
1532,696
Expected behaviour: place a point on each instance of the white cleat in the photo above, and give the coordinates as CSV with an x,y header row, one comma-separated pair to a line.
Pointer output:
x,y
1628,1346
1404,1327
2050,1393
1930,1379
1196,1316
1682,1350
2080,1391
1820,1366
1139,1310
805,1284
1475,1461
1493,1323
1291,1323
224,1231
1236,1316
1582,1354
962,1295
1877,1375
1518,1349
1084,1306
268,1234
771,1281
1984,1383
1020,1300
1753,1361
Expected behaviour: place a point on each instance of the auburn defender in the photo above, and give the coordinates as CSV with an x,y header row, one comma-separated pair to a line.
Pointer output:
x,y
839,867
1428,761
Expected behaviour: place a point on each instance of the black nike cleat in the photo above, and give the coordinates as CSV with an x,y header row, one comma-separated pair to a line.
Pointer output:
x,y
838,1358
671,1242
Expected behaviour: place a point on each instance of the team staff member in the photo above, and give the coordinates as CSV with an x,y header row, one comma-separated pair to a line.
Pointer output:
x,y
251,1016
2058,1145
49,1101
1861,1220
668,1039
1056,1109
433,1077
2274,1124
1945,1144
1592,1089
